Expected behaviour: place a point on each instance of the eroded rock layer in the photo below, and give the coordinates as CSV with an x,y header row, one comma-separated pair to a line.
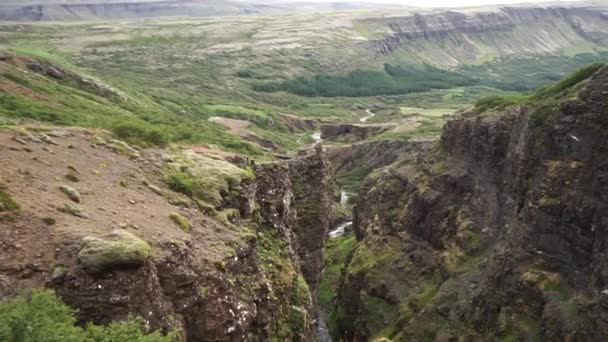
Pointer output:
x,y
498,232
215,247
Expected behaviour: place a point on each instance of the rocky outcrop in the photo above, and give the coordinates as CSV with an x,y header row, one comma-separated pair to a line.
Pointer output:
x,y
48,69
371,155
352,132
238,273
312,179
497,232
457,36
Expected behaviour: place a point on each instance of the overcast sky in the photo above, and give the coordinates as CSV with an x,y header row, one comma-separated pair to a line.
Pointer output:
x,y
442,3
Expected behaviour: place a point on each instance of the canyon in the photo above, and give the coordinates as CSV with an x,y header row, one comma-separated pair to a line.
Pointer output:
x,y
167,162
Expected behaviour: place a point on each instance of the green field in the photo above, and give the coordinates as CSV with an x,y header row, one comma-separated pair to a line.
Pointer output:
x,y
158,81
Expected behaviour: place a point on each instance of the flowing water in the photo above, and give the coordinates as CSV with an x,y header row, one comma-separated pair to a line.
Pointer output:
x,y
340,229
316,137
344,197
369,116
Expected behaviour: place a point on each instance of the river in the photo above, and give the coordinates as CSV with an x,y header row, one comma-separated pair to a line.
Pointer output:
x,y
370,115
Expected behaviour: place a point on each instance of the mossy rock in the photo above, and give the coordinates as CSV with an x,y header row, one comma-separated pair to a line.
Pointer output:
x,y
183,222
117,250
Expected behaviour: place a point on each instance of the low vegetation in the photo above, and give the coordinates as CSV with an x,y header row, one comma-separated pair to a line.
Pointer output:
x,y
7,203
42,317
542,97
390,81
337,251
203,178
182,222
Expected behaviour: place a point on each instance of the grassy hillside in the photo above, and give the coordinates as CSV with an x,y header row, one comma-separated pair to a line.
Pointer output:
x,y
163,80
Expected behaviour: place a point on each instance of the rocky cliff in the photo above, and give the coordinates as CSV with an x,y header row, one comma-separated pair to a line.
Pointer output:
x,y
81,10
452,37
213,246
498,232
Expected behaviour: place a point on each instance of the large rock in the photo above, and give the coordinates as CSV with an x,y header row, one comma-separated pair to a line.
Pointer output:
x,y
492,234
119,249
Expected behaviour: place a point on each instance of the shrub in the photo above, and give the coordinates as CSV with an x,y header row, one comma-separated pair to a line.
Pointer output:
x,y
496,102
42,317
568,82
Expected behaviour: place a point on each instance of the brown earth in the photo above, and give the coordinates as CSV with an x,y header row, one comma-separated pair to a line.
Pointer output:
x,y
231,274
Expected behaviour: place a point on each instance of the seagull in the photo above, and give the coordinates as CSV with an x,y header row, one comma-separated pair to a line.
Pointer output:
x,y
575,138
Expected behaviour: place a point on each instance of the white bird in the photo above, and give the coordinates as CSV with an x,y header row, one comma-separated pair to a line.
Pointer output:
x,y
575,138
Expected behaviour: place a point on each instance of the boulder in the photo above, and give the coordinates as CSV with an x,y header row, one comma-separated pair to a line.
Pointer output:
x,y
72,193
55,73
117,250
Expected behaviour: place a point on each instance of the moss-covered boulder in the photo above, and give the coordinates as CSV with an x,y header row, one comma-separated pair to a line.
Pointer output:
x,y
117,250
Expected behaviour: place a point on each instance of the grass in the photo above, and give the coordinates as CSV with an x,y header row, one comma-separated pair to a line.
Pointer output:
x,y
173,80
352,180
7,203
543,98
337,251
359,83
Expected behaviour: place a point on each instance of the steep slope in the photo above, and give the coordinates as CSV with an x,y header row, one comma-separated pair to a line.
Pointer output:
x,y
208,244
454,37
496,233
41,10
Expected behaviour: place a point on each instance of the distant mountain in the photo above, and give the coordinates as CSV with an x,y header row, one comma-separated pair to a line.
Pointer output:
x,y
37,10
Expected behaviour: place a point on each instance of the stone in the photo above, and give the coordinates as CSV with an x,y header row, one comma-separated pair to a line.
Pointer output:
x,y
58,273
155,189
35,67
55,73
72,193
116,250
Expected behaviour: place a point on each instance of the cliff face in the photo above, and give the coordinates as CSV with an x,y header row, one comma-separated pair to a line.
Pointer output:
x,y
312,180
80,10
497,232
452,37
117,231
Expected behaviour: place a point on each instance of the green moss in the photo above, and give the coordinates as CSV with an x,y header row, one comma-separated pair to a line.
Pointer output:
x,y
182,222
7,203
337,251
74,210
204,179
374,258
377,315
117,249
351,181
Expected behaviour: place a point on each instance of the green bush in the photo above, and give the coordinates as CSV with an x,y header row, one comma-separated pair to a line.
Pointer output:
x,y
568,82
42,317
497,102
543,99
